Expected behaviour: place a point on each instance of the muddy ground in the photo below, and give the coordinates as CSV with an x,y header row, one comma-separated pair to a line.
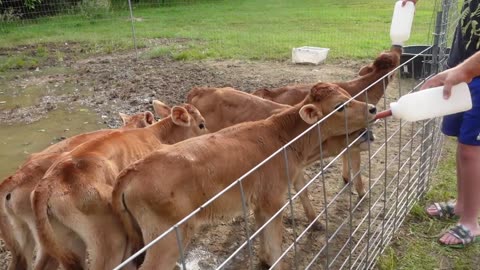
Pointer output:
x,y
108,84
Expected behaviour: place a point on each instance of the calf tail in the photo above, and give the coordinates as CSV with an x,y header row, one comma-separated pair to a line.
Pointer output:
x,y
39,199
130,225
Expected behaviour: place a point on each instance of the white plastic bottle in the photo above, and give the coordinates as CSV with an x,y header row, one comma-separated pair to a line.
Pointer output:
x,y
401,22
429,103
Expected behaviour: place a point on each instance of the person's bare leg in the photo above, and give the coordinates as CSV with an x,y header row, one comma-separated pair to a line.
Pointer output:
x,y
469,179
432,210
460,184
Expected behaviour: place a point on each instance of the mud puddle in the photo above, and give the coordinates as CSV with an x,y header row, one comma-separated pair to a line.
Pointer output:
x,y
47,122
18,141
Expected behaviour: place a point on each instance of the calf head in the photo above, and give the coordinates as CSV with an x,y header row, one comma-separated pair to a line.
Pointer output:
x,y
383,64
138,120
342,117
185,115
386,61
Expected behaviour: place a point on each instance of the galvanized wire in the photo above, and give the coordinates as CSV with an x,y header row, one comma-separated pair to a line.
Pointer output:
x,y
404,178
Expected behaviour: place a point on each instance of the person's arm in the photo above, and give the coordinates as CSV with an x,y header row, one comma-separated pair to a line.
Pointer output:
x,y
464,72
404,2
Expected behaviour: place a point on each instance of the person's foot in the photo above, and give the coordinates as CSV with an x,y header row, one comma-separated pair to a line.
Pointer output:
x,y
442,210
460,236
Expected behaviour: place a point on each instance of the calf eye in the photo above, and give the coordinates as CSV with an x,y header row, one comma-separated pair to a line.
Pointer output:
x,y
201,126
340,107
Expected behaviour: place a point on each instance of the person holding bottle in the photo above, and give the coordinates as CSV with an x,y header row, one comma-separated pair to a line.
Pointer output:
x,y
463,66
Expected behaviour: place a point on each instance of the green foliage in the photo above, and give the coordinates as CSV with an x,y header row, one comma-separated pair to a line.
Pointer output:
x,y
8,15
19,62
93,10
31,4
388,261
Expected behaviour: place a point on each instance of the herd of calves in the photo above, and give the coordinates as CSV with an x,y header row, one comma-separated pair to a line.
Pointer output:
x,y
92,200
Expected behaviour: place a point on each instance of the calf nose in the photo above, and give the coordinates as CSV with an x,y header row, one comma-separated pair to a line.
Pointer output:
x,y
368,136
372,109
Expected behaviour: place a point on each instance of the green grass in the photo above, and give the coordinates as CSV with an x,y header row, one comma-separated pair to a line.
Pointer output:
x,y
248,29
24,60
417,245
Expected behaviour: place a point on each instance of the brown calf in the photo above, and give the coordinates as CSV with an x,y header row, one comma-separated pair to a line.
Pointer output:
x,y
76,191
164,187
224,107
383,64
16,214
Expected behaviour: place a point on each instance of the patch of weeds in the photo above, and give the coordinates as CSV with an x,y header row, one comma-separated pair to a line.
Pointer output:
x,y
418,213
19,62
106,47
94,10
8,15
193,54
25,60
388,261
59,56
41,51
158,52
180,52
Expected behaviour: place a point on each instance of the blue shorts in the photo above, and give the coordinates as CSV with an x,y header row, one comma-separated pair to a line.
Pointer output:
x,y
466,125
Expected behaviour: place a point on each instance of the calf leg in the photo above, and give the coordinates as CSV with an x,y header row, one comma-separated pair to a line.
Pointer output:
x,y
25,242
98,227
271,236
165,253
352,160
64,235
18,261
23,221
12,243
42,259
105,243
299,183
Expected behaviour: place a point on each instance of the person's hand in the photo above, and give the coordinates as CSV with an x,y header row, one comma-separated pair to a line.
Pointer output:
x,y
447,78
404,2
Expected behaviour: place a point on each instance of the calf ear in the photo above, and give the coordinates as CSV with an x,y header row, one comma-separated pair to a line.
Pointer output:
x,y
124,117
365,70
180,116
161,109
149,118
310,114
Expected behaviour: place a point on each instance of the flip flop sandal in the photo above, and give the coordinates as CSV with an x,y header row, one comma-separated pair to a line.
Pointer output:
x,y
463,234
445,210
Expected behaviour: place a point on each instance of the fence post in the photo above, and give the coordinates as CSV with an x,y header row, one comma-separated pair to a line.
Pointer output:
x,y
133,28
438,59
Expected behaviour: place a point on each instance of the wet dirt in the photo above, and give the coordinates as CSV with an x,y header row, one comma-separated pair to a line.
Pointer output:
x,y
43,106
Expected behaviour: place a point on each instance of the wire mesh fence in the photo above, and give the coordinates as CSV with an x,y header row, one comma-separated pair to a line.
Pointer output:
x,y
355,230
347,231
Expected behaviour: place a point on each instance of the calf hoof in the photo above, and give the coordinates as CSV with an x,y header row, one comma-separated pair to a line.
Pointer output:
x,y
361,194
317,226
278,266
345,180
